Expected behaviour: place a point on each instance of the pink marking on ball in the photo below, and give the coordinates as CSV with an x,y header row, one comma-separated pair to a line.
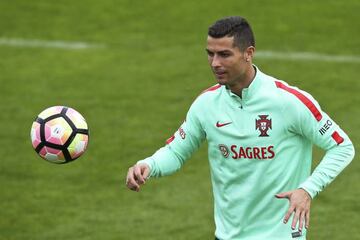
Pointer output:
x,y
42,152
53,150
35,143
47,132
55,140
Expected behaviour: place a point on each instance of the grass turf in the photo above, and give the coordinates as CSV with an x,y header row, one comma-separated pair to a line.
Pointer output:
x,y
134,93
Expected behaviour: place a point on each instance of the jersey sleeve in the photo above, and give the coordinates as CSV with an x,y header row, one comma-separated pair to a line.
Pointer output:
x,y
315,125
179,147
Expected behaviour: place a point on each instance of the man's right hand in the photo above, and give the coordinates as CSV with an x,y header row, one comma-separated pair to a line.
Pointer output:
x,y
137,176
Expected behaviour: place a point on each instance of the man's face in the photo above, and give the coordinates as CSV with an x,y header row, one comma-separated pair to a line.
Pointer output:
x,y
227,62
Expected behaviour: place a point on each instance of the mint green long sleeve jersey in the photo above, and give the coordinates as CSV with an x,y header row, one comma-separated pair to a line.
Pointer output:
x,y
258,145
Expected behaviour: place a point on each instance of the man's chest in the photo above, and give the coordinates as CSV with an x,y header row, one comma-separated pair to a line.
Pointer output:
x,y
249,126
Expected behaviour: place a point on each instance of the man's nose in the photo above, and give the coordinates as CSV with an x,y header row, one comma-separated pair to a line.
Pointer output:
x,y
215,62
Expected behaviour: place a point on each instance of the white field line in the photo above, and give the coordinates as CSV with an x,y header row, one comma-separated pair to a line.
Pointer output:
x,y
306,56
37,43
296,56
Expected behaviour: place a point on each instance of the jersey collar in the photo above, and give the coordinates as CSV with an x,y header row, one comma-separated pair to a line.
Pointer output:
x,y
251,90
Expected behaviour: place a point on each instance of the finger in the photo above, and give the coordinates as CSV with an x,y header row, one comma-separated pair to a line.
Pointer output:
x,y
307,219
130,181
134,187
128,176
295,219
301,220
283,195
129,173
146,172
288,213
138,175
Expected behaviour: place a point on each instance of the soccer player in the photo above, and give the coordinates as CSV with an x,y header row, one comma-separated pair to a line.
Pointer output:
x,y
260,133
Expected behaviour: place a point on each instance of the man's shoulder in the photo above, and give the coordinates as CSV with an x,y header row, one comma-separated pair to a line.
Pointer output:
x,y
296,99
207,97
293,92
281,89
269,89
215,89
210,93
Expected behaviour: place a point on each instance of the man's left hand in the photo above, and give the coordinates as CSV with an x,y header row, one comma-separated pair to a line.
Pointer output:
x,y
299,202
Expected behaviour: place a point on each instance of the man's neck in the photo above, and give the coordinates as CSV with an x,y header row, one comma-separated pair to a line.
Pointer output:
x,y
244,82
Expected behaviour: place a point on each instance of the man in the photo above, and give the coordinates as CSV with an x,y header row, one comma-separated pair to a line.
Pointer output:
x,y
260,133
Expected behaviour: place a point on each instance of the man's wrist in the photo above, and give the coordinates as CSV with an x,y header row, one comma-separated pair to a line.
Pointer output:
x,y
306,192
144,161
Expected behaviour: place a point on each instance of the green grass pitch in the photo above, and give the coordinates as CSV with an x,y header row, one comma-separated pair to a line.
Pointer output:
x,y
134,93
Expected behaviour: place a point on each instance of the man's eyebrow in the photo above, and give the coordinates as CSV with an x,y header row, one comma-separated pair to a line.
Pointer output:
x,y
221,52
224,51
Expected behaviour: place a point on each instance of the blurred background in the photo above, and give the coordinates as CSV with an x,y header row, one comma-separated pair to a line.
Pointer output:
x,y
132,69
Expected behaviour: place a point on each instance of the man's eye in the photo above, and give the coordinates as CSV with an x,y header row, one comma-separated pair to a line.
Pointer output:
x,y
224,55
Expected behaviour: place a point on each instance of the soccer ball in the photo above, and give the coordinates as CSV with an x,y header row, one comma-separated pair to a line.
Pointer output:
x,y
59,134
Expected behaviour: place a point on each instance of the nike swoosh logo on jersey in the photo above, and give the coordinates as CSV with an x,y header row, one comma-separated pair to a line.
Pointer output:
x,y
218,124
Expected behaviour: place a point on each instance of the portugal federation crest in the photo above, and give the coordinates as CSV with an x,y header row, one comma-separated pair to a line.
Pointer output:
x,y
263,124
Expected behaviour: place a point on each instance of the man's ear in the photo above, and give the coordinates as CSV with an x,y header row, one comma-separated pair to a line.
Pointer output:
x,y
249,53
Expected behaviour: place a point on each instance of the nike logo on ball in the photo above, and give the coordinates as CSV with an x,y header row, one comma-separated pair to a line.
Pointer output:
x,y
218,124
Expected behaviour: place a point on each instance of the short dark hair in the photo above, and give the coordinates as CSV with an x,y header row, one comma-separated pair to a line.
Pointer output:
x,y
234,26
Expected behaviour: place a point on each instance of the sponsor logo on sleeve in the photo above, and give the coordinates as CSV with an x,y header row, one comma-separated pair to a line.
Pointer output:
x,y
325,127
182,133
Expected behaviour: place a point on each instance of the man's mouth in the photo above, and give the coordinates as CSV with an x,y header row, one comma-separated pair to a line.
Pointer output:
x,y
219,74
